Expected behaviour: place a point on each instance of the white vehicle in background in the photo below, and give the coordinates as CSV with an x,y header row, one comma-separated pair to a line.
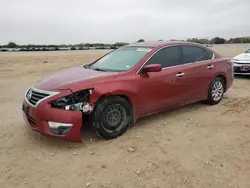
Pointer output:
x,y
242,63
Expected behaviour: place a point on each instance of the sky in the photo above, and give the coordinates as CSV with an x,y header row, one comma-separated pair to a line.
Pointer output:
x,y
110,21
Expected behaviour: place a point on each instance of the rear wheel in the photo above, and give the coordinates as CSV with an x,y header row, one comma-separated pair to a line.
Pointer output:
x,y
111,117
216,91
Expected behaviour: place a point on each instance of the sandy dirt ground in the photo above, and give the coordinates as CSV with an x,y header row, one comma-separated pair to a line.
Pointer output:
x,y
194,146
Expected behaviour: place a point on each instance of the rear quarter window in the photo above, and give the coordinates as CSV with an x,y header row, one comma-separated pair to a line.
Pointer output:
x,y
209,54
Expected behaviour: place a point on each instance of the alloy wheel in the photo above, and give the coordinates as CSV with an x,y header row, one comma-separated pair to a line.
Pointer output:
x,y
217,91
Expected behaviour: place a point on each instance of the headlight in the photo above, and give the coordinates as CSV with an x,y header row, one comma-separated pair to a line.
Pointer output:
x,y
64,101
78,101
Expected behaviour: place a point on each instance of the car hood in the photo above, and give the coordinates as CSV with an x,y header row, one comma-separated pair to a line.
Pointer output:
x,y
70,78
243,57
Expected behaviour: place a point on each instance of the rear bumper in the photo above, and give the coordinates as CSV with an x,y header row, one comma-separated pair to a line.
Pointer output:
x,y
38,118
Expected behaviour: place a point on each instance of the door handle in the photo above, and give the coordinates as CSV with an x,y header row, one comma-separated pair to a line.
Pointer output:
x,y
180,74
210,66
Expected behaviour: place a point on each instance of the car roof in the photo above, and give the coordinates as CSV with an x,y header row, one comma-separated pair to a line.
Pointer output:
x,y
155,44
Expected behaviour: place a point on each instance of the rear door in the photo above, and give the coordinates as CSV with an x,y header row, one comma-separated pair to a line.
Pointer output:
x,y
199,68
165,89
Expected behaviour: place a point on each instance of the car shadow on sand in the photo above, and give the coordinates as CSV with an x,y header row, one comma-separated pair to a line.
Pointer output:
x,y
89,136
146,121
243,77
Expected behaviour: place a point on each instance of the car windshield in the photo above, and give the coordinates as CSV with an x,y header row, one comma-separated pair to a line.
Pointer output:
x,y
122,59
248,51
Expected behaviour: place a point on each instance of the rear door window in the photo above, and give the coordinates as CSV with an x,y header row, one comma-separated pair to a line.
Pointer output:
x,y
193,54
167,57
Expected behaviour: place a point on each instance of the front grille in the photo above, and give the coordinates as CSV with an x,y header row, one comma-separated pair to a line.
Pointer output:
x,y
34,96
240,63
239,70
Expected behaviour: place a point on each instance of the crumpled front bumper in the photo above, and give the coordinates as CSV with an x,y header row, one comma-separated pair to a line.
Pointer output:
x,y
38,118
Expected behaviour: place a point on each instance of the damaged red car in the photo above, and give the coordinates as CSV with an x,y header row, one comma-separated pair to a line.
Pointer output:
x,y
117,89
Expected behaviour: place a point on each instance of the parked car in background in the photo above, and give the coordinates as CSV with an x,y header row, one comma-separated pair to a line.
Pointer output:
x,y
117,89
242,63
209,45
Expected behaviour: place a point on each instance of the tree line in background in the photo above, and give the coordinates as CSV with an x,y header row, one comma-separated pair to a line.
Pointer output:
x,y
219,40
87,46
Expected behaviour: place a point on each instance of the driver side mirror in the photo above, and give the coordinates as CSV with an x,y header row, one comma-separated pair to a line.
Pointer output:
x,y
152,68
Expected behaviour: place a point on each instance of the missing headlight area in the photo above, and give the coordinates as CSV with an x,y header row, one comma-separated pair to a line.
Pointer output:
x,y
78,101
82,106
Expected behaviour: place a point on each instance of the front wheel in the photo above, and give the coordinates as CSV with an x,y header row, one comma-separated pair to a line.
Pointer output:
x,y
111,117
216,91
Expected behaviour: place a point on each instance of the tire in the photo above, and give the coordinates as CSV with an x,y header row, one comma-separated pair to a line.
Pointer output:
x,y
216,91
111,117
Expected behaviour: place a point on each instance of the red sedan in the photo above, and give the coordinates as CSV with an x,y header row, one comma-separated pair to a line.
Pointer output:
x,y
128,83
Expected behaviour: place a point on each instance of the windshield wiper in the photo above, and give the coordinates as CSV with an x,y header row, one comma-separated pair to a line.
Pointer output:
x,y
98,69
90,67
86,66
